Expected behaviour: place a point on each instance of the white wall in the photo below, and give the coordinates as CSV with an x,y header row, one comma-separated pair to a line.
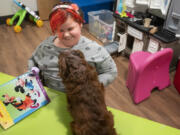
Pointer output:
x,y
8,7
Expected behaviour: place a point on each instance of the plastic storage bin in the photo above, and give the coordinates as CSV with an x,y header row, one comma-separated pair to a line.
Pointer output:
x,y
101,24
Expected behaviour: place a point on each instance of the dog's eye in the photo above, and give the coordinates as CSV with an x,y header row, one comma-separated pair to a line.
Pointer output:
x,y
78,53
74,53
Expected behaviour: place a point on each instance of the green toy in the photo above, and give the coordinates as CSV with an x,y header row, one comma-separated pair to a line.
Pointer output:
x,y
21,14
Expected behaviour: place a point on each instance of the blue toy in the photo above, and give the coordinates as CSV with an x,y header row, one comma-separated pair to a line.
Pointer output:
x,y
120,7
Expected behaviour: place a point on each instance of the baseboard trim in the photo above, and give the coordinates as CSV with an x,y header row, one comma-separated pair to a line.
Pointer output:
x,y
3,19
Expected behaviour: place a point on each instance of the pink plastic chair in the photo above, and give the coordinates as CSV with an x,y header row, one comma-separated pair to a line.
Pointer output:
x,y
147,71
177,78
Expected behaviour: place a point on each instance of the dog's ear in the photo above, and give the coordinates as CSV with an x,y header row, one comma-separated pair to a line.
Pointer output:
x,y
62,67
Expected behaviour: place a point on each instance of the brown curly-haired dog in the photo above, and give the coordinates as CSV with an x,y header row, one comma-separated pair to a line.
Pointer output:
x,y
85,96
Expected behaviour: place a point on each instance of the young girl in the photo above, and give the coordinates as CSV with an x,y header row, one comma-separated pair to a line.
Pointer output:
x,y
66,24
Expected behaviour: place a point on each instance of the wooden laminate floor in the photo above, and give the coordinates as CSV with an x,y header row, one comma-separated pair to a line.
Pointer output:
x,y
16,48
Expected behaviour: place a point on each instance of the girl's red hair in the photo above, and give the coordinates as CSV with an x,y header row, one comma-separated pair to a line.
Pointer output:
x,y
59,16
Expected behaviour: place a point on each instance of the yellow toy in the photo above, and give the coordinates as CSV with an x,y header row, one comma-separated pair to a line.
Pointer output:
x,y
123,13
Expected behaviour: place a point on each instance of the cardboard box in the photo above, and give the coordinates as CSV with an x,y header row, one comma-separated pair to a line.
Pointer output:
x,y
45,7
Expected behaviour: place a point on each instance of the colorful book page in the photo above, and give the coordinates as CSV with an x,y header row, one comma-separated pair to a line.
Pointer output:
x,y
20,97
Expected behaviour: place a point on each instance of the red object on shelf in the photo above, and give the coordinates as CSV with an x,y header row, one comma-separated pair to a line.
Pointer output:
x,y
129,15
177,78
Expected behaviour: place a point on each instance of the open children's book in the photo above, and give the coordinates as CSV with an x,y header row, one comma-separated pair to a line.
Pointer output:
x,y
20,97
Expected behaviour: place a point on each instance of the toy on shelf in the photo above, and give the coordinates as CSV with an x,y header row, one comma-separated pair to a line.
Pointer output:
x,y
121,9
21,14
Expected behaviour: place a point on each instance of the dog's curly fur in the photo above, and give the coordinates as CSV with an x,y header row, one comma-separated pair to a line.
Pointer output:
x,y
85,96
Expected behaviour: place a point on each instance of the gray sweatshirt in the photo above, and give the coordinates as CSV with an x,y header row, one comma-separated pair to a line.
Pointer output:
x,y
45,57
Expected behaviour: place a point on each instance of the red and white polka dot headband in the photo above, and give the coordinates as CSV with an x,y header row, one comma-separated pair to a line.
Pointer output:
x,y
72,6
